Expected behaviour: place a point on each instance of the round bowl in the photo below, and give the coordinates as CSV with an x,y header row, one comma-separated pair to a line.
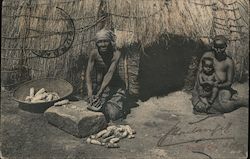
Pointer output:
x,y
62,87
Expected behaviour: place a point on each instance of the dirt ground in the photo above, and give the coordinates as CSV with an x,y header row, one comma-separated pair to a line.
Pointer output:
x,y
28,135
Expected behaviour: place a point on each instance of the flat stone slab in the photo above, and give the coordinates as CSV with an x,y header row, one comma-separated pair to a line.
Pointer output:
x,y
75,119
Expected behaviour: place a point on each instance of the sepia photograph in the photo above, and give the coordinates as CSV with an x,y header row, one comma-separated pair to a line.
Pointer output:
x,y
124,79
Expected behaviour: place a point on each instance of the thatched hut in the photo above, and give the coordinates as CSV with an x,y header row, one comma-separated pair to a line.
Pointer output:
x,y
162,39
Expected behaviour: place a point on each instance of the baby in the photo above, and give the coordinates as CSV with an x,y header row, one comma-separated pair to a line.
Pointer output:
x,y
208,81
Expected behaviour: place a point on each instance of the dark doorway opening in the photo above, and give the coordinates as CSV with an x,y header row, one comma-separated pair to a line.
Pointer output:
x,y
164,65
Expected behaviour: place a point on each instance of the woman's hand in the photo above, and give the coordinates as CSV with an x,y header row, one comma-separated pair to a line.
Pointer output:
x,y
95,103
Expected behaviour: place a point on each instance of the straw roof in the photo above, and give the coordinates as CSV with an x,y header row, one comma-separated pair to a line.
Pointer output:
x,y
142,20
31,25
146,20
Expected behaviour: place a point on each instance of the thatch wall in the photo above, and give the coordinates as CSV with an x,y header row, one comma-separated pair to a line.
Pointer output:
x,y
31,25
45,30
146,20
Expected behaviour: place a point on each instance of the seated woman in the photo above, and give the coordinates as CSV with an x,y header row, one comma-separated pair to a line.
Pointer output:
x,y
109,94
224,70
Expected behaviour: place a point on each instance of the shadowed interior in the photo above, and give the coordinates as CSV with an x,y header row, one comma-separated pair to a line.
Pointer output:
x,y
164,65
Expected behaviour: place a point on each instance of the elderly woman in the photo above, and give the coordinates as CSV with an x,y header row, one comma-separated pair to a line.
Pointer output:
x,y
108,94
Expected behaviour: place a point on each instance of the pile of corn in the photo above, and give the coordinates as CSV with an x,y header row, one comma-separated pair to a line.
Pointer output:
x,y
111,136
41,96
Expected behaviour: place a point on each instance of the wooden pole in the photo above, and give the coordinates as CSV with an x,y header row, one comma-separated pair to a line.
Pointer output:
x,y
126,71
102,12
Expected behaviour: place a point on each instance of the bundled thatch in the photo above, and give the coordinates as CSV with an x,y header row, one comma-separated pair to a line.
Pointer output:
x,y
32,25
146,20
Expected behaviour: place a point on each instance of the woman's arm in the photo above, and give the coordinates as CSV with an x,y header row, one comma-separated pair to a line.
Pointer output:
x,y
108,76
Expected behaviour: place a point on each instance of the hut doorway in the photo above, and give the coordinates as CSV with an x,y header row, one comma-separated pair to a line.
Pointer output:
x,y
165,65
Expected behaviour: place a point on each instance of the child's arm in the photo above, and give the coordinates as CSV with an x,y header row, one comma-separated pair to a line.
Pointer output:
x,y
212,80
201,79
201,82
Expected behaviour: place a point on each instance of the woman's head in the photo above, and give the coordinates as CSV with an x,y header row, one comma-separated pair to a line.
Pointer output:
x,y
219,44
105,39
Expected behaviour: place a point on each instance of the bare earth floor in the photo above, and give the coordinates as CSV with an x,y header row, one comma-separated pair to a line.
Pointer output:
x,y
27,135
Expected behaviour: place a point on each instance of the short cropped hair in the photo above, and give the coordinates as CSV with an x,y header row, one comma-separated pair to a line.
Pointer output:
x,y
222,39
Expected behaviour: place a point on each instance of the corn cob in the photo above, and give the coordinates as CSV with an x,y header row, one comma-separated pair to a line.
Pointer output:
x,y
101,133
114,140
42,90
62,102
32,92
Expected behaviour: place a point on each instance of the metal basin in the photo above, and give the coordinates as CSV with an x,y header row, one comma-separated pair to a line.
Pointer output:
x,y
62,87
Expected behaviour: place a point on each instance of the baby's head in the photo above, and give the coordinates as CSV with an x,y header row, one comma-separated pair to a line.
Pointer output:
x,y
207,65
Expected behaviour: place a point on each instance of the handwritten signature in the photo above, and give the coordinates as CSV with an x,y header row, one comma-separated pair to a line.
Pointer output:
x,y
175,131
